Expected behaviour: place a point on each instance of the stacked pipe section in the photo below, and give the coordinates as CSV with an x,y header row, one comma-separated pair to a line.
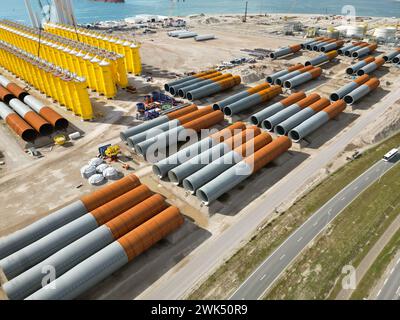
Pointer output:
x,y
76,252
179,173
242,170
108,260
101,74
341,51
332,46
362,91
124,135
316,121
322,58
285,51
281,80
57,83
357,66
309,45
391,55
171,136
270,122
53,117
16,123
271,79
126,47
176,122
27,257
253,100
206,80
371,67
215,87
30,116
346,89
196,77
241,95
304,44
258,117
303,78
349,52
364,51
318,46
161,168
63,216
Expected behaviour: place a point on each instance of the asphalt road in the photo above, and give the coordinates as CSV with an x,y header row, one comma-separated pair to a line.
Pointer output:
x,y
269,271
391,286
180,280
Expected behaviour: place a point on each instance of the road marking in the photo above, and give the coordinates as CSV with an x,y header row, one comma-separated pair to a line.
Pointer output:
x,y
299,239
355,188
315,224
391,271
262,277
344,198
379,292
398,261
282,256
386,280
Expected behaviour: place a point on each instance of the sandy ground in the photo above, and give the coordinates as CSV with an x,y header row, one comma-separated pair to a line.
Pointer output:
x,y
31,188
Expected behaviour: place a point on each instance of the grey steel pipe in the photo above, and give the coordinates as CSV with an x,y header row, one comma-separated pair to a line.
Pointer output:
x,y
332,46
311,42
162,167
388,57
316,121
213,88
318,46
396,59
280,81
182,91
236,97
220,165
258,117
174,90
156,122
175,82
364,51
322,58
270,123
303,78
242,170
177,174
342,50
284,127
346,89
285,51
40,228
371,67
362,91
271,79
204,37
185,35
355,67
350,51
311,45
253,100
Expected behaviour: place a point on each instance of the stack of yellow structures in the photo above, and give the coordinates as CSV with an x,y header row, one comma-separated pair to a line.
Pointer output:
x,y
129,49
103,70
55,82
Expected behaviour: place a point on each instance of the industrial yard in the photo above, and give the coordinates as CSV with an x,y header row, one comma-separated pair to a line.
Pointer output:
x,y
40,176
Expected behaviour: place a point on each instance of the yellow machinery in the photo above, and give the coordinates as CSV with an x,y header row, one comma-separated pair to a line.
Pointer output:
x,y
113,151
128,49
59,139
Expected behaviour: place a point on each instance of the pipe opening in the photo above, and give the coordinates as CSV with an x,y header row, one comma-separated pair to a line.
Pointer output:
x,y
46,129
181,93
188,186
396,60
157,171
269,80
334,97
172,91
266,124
323,49
347,53
355,54
61,124
348,99
278,82
166,87
203,196
308,63
349,71
315,48
360,72
173,177
279,130
309,47
227,111
216,107
29,135
272,55
288,84
189,96
254,120
294,135
139,149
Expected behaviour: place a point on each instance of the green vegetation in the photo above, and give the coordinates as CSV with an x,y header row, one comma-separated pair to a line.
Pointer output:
x,y
317,273
376,271
235,270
